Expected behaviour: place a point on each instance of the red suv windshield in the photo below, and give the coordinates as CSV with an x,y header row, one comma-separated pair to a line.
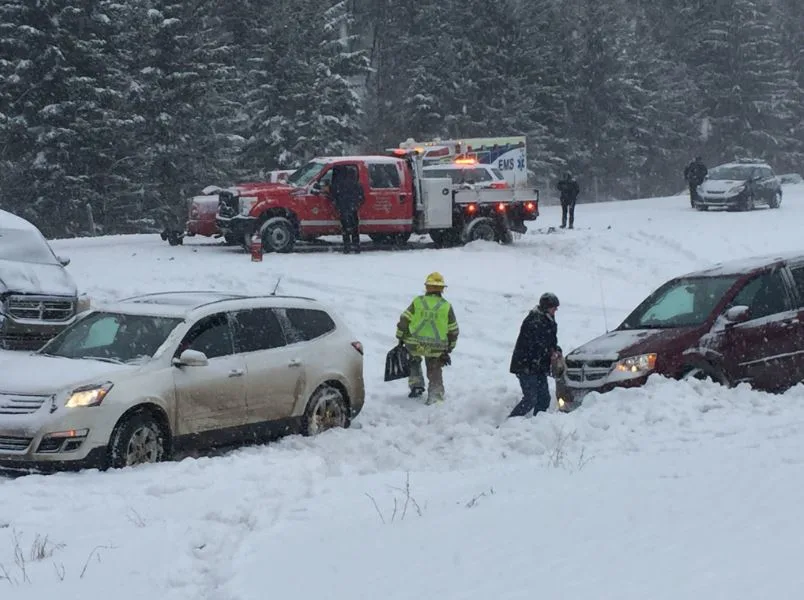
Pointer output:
x,y
684,302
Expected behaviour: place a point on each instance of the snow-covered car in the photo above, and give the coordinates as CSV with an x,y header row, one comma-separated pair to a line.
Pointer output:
x,y
468,173
791,179
137,380
738,321
38,297
740,185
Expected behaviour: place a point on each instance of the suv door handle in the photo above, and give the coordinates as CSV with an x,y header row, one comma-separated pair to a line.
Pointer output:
x,y
294,363
236,372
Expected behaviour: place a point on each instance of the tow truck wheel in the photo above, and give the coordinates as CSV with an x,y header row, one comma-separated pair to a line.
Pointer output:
x,y
277,235
480,229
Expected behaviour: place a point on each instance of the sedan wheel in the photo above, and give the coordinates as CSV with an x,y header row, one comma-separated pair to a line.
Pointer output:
x,y
327,409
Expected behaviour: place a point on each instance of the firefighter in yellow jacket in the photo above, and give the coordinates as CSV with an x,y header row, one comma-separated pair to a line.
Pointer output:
x,y
429,329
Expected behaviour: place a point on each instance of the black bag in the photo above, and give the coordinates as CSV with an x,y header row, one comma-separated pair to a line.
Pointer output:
x,y
397,363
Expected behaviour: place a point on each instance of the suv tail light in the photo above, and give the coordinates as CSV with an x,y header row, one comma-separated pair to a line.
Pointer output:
x,y
358,346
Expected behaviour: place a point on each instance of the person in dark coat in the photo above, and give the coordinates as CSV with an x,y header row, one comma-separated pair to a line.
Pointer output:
x,y
695,173
348,196
534,352
569,195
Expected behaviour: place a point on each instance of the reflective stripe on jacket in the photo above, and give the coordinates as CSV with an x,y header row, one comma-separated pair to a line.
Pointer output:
x,y
428,326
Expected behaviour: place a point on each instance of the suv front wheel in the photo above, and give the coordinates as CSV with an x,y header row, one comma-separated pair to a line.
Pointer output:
x,y
137,439
776,201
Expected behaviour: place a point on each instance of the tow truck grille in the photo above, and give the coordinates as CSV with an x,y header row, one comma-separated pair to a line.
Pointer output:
x,y
228,205
20,404
40,308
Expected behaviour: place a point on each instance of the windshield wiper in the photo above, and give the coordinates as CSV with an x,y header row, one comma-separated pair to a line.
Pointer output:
x,y
114,361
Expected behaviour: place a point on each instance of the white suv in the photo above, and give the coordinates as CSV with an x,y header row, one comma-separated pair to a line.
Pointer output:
x,y
133,382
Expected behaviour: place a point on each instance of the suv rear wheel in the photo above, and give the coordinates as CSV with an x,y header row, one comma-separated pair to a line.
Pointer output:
x,y
326,409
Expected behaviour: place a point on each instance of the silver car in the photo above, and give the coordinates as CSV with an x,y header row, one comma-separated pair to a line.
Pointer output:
x,y
136,381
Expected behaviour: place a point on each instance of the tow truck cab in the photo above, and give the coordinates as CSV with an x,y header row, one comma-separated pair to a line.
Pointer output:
x,y
398,203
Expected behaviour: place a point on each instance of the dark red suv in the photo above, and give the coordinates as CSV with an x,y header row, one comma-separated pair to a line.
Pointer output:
x,y
740,321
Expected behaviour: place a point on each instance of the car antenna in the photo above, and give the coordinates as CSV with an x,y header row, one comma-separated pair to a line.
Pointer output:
x,y
276,287
603,302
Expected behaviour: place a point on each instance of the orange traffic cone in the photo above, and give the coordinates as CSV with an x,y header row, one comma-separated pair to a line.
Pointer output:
x,y
256,248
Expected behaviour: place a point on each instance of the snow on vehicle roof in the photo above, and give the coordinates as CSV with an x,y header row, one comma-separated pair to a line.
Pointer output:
x,y
181,303
745,265
12,221
753,163
368,158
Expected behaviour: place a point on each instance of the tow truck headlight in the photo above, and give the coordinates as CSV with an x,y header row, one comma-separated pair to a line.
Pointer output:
x,y
83,304
246,204
635,365
88,395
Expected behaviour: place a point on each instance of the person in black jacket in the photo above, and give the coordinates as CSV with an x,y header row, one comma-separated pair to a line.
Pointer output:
x,y
569,195
695,173
535,348
347,194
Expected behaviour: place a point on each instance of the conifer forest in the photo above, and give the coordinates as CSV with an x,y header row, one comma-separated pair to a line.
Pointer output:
x,y
129,107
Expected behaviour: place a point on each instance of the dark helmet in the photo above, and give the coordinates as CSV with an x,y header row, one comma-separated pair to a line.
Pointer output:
x,y
548,300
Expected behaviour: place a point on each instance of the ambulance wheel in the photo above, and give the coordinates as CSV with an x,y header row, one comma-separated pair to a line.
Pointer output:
x,y
278,235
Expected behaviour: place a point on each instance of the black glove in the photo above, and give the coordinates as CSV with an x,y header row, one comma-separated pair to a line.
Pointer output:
x,y
401,342
445,359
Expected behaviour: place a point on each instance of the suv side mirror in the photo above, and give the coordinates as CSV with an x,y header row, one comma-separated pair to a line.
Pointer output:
x,y
737,314
63,260
191,358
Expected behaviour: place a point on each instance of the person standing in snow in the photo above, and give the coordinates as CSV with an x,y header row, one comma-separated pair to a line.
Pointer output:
x,y
695,173
348,196
429,329
569,195
535,351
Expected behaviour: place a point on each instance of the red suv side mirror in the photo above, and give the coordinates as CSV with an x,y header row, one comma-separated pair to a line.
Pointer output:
x,y
737,314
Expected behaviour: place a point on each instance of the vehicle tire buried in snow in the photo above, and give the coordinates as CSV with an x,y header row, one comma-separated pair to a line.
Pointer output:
x,y
278,235
480,229
326,409
138,439
776,201
707,374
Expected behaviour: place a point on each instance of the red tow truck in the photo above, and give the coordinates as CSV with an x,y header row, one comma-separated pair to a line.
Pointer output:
x,y
202,211
399,202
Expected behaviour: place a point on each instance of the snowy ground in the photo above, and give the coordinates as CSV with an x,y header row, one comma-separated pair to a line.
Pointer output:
x,y
675,490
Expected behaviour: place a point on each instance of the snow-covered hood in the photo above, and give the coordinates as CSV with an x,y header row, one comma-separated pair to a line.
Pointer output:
x,y
720,185
44,375
36,278
623,343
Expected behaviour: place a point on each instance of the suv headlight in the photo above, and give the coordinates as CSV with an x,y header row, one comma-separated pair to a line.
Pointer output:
x,y
246,204
634,366
88,395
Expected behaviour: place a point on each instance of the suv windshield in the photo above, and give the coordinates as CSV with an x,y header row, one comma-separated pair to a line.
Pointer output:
x,y
25,246
680,303
733,172
304,175
112,337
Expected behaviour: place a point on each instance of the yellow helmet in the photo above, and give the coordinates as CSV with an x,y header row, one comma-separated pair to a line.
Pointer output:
x,y
435,280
